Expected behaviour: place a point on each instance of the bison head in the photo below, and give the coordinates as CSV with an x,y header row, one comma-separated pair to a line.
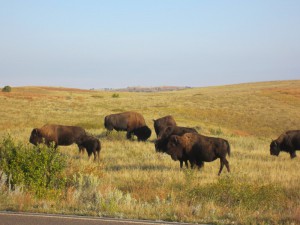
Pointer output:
x,y
36,137
165,133
175,148
161,145
143,133
274,148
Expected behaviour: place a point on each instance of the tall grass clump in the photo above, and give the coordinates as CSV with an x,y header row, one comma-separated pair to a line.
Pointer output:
x,y
34,168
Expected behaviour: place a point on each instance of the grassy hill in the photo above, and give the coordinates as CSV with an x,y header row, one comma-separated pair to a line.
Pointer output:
x,y
134,181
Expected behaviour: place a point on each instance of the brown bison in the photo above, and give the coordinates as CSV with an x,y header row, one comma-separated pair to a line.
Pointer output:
x,y
92,146
162,123
198,149
164,136
58,134
287,142
132,122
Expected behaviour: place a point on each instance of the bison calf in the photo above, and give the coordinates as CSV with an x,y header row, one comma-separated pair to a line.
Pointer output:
x,y
198,149
287,142
92,146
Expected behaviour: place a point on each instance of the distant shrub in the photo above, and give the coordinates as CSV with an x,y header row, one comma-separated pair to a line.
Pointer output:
x,y
115,95
36,168
6,89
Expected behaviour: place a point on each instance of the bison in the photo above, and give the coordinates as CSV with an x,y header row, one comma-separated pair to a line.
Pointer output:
x,y
59,134
132,122
287,142
162,123
198,149
92,146
163,138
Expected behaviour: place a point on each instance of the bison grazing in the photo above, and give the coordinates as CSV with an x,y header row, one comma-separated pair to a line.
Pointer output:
x,y
162,123
198,149
132,122
92,146
164,136
288,142
59,134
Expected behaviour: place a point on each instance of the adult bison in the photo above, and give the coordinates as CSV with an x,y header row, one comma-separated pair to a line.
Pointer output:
x,y
162,123
287,142
132,122
164,136
198,149
59,134
92,146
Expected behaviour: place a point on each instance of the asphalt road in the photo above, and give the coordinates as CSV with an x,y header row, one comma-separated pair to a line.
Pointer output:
x,y
12,218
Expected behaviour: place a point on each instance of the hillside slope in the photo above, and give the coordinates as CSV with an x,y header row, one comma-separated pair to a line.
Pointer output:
x,y
261,109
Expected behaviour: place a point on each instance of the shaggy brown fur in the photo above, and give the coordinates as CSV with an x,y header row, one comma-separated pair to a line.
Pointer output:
x,y
92,146
59,134
287,142
164,136
132,122
198,149
162,123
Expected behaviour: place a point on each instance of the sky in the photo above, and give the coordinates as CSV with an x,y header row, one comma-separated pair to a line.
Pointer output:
x,y
122,43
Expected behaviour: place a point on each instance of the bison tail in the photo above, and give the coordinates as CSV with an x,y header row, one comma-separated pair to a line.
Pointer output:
x,y
105,122
98,146
228,148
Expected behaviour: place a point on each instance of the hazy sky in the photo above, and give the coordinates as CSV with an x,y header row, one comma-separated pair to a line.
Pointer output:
x,y
120,43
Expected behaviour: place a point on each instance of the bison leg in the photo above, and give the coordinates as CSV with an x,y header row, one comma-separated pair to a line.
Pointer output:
x,y
192,164
221,166
223,161
293,154
98,156
186,163
200,164
128,135
95,155
81,149
227,165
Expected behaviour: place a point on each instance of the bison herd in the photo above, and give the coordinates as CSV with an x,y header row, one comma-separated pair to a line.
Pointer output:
x,y
182,143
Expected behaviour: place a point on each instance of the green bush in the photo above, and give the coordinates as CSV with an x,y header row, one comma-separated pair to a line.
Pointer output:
x,y
6,89
36,168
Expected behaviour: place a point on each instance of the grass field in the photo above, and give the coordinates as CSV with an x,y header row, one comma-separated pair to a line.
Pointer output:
x,y
133,181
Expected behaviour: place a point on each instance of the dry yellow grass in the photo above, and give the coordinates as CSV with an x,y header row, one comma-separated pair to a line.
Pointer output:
x,y
134,181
